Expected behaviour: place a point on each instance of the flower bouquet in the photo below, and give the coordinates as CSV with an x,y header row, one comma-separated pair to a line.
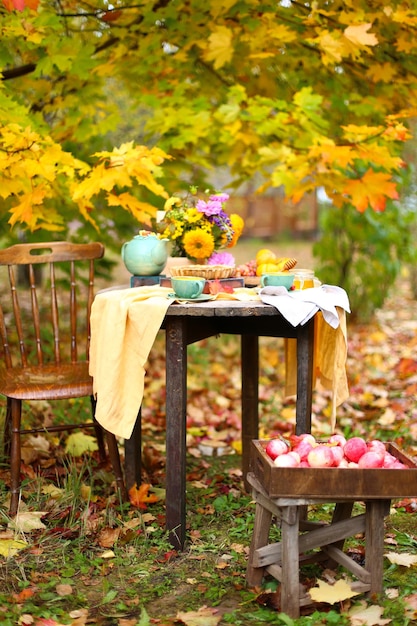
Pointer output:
x,y
199,228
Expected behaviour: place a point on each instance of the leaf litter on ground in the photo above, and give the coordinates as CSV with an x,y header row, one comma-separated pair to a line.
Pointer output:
x,y
382,371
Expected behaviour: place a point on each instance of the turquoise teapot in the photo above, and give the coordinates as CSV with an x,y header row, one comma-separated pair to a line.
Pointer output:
x,y
145,255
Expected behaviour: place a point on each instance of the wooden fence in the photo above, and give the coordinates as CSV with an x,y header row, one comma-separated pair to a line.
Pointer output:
x,y
268,216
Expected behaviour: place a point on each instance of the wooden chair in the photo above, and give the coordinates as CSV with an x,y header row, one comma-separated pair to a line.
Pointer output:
x,y
41,335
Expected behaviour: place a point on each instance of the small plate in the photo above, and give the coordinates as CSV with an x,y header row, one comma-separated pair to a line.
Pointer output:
x,y
202,298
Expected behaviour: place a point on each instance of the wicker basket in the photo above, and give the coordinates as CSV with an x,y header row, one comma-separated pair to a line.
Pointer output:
x,y
209,272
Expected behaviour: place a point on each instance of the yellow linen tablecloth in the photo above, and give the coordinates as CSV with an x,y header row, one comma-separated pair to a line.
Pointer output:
x,y
124,325
329,369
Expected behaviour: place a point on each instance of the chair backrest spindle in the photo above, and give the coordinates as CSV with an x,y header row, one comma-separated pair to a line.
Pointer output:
x,y
54,313
73,312
35,314
17,317
23,318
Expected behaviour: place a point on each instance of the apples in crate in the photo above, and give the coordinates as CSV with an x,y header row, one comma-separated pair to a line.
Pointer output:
x,y
320,469
305,451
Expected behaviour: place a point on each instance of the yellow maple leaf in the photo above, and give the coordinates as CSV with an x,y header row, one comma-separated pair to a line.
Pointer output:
x,y
331,594
382,72
359,35
363,615
220,48
10,547
142,211
217,8
78,443
27,521
205,616
372,190
332,47
403,558
24,211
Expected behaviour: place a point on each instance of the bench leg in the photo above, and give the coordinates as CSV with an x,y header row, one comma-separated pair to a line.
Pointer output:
x,y
290,584
376,510
262,525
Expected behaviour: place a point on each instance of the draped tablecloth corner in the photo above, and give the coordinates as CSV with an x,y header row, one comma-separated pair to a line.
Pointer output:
x,y
122,335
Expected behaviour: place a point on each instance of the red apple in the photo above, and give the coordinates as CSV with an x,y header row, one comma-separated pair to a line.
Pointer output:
x,y
371,460
320,456
343,463
377,446
303,448
389,460
354,448
338,440
291,459
338,455
276,447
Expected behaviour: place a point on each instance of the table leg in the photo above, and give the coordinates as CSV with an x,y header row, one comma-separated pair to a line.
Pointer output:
x,y
176,408
133,455
250,397
305,356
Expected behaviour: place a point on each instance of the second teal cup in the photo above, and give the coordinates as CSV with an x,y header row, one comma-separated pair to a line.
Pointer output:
x,y
279,279
188,287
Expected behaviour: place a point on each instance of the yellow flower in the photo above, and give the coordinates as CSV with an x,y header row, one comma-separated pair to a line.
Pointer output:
x,y
237,225
192,215
171,202
198,244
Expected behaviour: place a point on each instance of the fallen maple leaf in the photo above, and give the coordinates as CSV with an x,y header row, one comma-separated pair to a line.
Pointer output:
x,y
27,521
108,554
410,605
78,443
203,617
368,616
63,590
108,537
24,595
139,497
10,547
332,593
403,558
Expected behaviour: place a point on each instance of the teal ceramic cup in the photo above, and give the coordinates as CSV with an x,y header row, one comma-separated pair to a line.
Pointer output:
x,y
188,287
279,279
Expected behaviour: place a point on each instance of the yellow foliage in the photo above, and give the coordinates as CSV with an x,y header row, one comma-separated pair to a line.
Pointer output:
x,y
220,49
35,169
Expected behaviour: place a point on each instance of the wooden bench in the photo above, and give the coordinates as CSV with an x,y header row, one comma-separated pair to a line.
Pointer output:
x,y
299,537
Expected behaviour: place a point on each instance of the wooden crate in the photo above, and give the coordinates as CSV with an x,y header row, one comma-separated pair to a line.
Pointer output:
x,y
332,483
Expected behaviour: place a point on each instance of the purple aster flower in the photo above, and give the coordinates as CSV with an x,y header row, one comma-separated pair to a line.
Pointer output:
x,y
212,207
221,258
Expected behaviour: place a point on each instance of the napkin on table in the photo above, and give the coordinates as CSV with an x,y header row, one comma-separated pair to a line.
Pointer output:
x,y
331,304
124,324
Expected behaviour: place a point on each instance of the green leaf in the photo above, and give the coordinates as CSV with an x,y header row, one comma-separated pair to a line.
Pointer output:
x,y
78,443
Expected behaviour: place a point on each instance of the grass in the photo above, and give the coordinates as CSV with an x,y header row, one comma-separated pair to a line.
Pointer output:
x,y
98,561
98,558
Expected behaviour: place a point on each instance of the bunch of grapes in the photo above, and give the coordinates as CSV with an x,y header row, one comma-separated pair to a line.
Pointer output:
x,y
246,269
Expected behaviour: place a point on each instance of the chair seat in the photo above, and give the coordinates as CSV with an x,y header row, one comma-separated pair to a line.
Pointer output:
x,y
47,382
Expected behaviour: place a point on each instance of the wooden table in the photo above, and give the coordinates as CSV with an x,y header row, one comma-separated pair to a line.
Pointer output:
x,y
186,323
